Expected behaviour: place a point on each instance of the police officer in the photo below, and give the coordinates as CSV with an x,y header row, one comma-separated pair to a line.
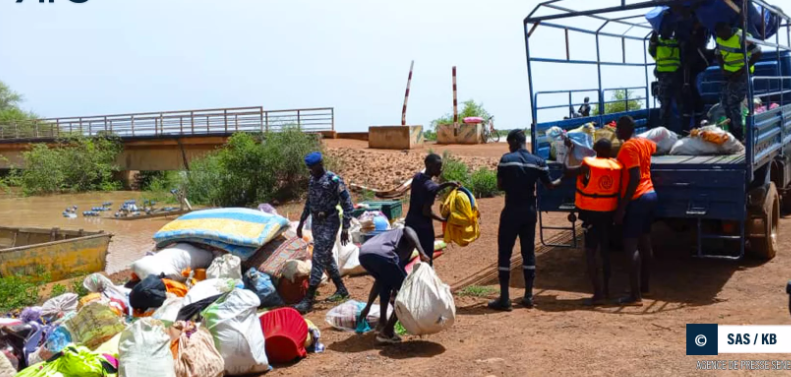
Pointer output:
x,y
664,48
729,54
517,175
695,58
325,191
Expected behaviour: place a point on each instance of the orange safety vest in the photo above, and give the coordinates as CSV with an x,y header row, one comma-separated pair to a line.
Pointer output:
x,y
599,190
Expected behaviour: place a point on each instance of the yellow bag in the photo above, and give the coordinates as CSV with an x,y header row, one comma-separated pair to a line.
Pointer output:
x,y
462,226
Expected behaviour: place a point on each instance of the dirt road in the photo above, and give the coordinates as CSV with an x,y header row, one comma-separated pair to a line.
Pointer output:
x,y
561,336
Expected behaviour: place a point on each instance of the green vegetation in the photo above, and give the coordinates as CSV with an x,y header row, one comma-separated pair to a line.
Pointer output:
x,y
58,289
156,185
618,107
78,288
250,169
477,291
18,292
74,165
469,109
482,183
9,106
399,329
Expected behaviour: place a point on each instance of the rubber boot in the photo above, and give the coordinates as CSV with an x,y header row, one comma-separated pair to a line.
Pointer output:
x,y
341,293
306,305
504,302
530,277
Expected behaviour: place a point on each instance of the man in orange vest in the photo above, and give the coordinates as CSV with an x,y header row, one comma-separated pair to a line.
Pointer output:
x,y
598,188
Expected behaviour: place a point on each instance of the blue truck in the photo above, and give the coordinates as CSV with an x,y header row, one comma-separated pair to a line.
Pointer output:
x,y
732,203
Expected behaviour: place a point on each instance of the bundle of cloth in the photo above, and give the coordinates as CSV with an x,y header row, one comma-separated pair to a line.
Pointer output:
x,y
239,231
708,141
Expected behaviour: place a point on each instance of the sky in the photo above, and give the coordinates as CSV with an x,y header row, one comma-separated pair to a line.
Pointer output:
x,y
124,56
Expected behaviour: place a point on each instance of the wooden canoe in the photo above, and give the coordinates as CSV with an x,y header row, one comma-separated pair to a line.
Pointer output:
x,y
152,215
61,254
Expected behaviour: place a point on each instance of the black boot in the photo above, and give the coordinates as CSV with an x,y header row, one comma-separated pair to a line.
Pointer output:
x,y
504,302
530,277
306,305
341,293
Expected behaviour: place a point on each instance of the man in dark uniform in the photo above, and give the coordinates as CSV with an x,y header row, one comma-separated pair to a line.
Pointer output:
x,y
325,191
517,175
695,58
422,195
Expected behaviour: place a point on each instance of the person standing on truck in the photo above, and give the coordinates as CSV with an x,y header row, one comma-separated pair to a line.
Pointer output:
x,y
731,58
422,195
598,190
636,207
695,58
325,191
665,50
517,174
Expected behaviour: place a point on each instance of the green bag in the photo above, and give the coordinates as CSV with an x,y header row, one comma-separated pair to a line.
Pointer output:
x,y
73,361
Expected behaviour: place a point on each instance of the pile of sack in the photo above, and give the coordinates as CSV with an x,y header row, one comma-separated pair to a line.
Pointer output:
x,y
210,329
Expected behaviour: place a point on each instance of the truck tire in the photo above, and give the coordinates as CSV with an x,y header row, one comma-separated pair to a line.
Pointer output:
x,y
762,225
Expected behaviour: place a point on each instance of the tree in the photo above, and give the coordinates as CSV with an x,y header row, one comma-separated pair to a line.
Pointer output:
x,y
9,106
469,109
635,103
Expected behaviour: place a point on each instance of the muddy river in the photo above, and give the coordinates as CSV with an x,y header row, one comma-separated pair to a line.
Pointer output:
x,y
132,238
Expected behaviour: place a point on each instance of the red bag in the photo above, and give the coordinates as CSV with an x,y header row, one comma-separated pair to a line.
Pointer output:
x,y
285,331
292,293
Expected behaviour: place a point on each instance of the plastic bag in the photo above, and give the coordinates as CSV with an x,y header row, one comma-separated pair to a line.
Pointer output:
x,y
172,261
662,137
144,350
237,332
98,283
197,356
295,269
75,361
699,146
425,305
58,339
208,288
227,266
347,257
261,284
94,324
344,316
169,310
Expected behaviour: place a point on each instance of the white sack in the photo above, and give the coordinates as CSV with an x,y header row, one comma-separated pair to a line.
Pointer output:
x,y
169,311
227,266
144,350
347,257
424,304
172,261
237,332
57,307
664,139
208,288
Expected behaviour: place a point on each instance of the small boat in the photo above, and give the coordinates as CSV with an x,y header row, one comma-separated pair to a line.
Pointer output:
x,y
60,253
152,215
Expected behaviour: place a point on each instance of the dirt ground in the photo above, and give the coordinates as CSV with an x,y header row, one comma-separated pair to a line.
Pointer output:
x,y
561,336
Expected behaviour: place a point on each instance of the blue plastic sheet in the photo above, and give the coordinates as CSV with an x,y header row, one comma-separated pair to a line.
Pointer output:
x,y
261,284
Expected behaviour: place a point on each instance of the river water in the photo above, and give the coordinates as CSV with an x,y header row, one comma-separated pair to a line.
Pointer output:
x,y
132,238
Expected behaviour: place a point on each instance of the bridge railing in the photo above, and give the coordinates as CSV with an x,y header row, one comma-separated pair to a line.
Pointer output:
x,y
188,122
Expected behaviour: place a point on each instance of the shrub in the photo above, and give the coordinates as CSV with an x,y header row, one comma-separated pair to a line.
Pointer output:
x,y
77,165
58,289
17,292
78,288
469,109
254,169
157,187
483,183
454,170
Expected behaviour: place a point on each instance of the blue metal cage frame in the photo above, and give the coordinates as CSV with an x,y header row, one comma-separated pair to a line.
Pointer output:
x,y
767,135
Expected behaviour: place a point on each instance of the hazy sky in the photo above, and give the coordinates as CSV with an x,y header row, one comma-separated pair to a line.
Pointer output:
x,y
121,56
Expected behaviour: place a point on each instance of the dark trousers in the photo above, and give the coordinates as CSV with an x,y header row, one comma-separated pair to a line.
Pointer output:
x,y
387,272
669,91
692,107
517,221
733,93
598,228
425,234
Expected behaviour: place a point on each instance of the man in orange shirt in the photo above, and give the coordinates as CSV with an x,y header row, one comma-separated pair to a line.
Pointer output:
x,y
636,207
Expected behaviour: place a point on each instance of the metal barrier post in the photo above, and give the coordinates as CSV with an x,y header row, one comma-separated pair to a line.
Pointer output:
x,y
299,121
332,118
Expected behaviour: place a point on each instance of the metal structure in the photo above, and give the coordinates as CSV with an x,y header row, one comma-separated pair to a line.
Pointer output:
x,y
188,122
714,190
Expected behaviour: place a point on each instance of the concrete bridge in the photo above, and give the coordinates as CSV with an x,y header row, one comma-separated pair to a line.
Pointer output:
x,y
163,140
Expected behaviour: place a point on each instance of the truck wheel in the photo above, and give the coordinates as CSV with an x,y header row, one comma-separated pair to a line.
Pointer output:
x,y
762,226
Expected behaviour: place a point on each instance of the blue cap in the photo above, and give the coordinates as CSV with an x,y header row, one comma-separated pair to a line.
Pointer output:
x,y
312,158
